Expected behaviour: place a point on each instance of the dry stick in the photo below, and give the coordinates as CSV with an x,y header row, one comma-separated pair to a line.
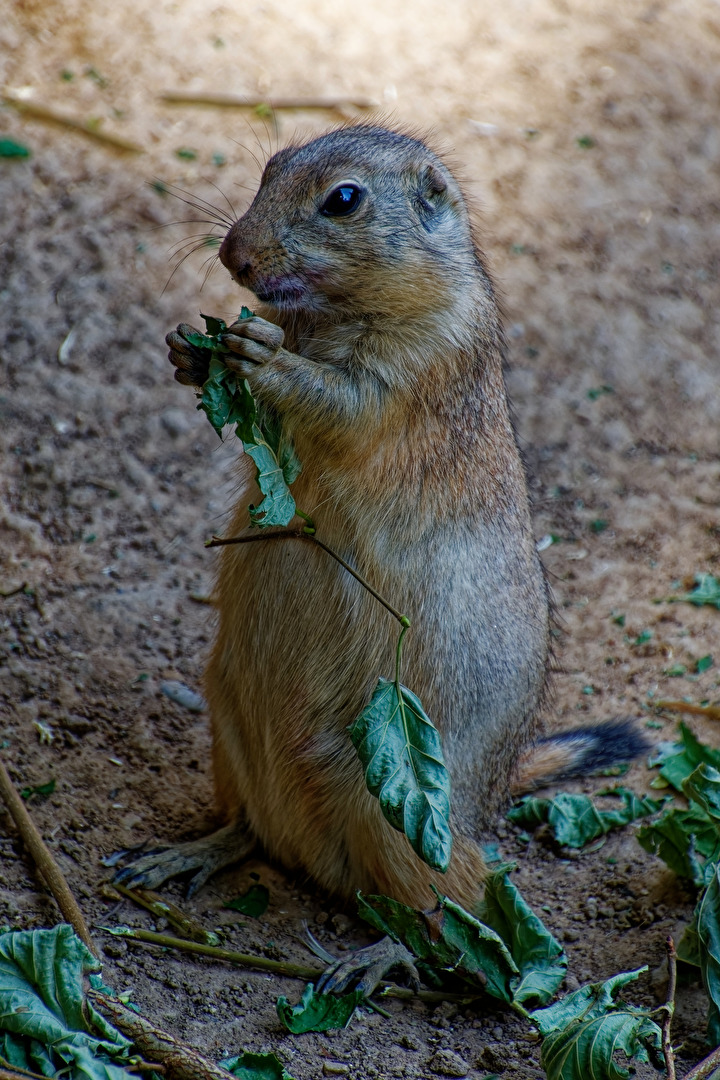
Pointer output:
x,y
705,1068
44,112
44,861
188,97
711,711
669,1009
276,967
180,1062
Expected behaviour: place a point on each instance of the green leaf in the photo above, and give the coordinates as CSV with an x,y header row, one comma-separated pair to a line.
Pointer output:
x,y
706,591
449,940
541,960
226,399
277,506
318,1012
678,760
42,790
707,924
214,326
575,820
703,787
253,903
11,149
401,753
256,1067
583,1031
45,1021
678,837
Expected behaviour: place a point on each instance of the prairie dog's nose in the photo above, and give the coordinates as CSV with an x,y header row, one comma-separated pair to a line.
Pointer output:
x,y
234,256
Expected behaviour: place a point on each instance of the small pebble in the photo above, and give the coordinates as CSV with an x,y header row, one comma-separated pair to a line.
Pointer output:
x,y
571,935
335,1068
183,695
447,1063
341,923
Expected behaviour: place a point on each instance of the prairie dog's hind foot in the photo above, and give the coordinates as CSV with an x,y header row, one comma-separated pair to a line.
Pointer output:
x,y
206,856
367,967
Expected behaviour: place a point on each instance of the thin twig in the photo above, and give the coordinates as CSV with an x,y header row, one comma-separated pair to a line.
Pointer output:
x,y
293,534
669,1009
44,860
180,1062
711,711
165,909
87,127
189,97
12,1072
277,967
262,963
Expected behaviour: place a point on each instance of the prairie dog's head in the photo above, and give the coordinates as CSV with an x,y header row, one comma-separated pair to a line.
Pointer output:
x,y
361,221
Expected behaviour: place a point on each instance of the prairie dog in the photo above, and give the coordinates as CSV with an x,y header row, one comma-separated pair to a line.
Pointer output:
x,y
378,345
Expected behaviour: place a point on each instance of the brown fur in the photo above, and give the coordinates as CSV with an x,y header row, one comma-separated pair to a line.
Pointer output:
x,y
389,381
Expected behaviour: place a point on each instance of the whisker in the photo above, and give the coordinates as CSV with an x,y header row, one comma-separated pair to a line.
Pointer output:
x,y
201,205
220,191
213,261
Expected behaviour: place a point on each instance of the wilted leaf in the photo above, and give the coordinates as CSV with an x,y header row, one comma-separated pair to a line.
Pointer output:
x,y
226,399
319,1012
256,1067
703,787
401,753
541,960
678,837
254,902
575,820
449,940
583,1032
277,506
678,760
46,1025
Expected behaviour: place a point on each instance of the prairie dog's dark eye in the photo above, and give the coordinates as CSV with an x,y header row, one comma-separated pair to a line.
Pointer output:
x,y
342,200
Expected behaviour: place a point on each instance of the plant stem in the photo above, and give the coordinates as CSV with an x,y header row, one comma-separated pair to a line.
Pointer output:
x,y
262,963
51,872
402,619
164,909
14,1071
219,541
398,687
669,1009
279,967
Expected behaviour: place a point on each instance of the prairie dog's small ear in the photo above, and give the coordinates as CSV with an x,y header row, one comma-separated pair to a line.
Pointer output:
x,y
431,191
433,183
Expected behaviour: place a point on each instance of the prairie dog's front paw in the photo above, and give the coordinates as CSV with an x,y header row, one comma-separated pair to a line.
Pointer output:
x,y
191,363
253,339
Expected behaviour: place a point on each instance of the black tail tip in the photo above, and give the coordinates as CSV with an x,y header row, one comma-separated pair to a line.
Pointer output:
x,y
600,746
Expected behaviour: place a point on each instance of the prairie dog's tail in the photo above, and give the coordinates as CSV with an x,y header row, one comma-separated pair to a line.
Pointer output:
x,y
577,753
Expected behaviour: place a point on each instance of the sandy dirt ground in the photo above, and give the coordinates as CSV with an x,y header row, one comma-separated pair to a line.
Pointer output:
x,y
587,136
